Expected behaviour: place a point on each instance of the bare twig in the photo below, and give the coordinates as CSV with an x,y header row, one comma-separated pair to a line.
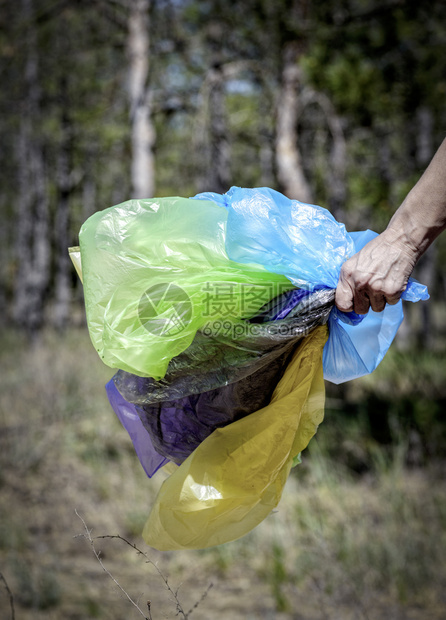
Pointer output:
x,y
88,537
11,598
174,593
203,596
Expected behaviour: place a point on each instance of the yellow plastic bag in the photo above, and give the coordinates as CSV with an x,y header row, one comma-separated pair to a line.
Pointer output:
x,y
233,480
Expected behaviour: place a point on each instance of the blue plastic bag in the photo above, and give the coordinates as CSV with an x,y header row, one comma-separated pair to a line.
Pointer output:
x,y
355,348
307,245
302,242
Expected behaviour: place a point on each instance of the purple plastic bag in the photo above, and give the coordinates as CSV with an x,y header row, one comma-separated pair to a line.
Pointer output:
x,y
149,458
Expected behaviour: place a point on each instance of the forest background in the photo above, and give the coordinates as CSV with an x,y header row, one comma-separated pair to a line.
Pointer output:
x,y
339,103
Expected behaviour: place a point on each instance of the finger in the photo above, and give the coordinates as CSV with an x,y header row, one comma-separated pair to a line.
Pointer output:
x,y
393,299
377,302
361,302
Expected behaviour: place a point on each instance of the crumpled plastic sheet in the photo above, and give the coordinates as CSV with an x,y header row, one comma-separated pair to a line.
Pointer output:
x,y
143,249
235,477
307,245
246,237
303,242
235,399
220,356
150,459
230,379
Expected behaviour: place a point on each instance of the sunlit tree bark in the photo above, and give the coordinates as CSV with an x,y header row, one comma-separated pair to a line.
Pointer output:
x,y
288,158
142,130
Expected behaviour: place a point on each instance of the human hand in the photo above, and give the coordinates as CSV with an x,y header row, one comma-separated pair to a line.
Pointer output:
x,y
376,275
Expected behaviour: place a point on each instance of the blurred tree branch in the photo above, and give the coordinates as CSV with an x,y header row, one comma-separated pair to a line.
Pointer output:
x,y
180,610
11,597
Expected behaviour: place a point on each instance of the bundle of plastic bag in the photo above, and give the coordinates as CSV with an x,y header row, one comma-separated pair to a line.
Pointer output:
x,y
235,477
213,311
220,378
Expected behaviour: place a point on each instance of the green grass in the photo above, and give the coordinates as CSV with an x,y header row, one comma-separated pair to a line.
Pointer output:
x,y
342,544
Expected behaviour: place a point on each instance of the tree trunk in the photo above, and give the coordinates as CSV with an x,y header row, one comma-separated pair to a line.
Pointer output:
x,y
266,161
417,328
32,243
62,221
426,267
425,138
337,191
215,143
425,338
220,170
337,161
142,130
266,143
288,159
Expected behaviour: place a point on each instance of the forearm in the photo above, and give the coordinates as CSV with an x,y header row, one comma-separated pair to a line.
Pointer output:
x,y
379,273
422,215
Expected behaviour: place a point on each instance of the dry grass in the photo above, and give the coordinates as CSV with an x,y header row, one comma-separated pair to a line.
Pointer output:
x,y
338,547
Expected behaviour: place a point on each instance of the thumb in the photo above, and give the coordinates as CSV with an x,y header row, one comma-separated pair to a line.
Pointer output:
x,y
344,297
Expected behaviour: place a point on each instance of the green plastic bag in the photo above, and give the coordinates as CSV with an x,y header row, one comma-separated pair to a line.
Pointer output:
x,y
155,272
